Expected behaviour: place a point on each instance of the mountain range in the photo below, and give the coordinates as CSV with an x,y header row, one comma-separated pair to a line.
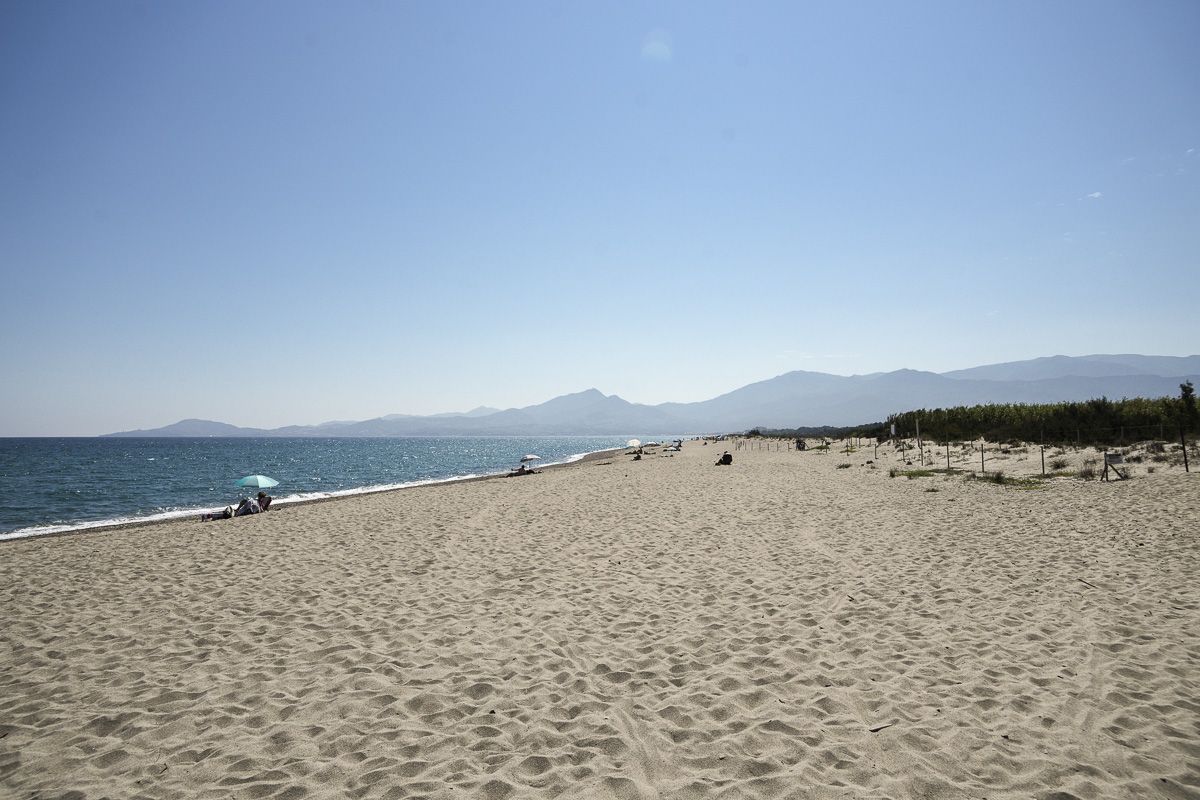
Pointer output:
x,y
794,399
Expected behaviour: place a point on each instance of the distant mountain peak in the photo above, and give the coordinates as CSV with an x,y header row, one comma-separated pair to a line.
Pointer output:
x,y
195,427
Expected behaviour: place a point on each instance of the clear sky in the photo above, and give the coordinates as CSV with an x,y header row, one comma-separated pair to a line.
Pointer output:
x,y
286,212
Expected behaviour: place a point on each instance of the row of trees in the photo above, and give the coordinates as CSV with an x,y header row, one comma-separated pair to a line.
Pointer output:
x,y
1100,421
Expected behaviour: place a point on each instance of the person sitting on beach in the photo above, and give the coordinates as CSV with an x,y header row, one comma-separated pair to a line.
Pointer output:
x,y
725,460
226,514
522,470
248,506
264,501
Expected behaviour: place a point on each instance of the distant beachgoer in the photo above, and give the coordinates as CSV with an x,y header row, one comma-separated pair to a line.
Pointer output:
x,y
226,514
264,501
725,460
522,470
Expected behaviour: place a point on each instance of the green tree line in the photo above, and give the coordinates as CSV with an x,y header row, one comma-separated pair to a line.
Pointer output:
x,y
1099,421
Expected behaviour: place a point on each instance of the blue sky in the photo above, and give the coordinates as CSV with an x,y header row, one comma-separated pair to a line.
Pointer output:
x,y
271,213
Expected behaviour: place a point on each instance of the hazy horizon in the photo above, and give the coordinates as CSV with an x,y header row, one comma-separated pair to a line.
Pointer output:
x,y
289,213
492,409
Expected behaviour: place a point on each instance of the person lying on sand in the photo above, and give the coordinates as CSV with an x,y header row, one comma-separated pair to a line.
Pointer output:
x,y
725,460
523,470
248,506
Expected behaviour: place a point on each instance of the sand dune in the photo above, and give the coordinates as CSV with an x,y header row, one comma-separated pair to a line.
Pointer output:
x,y
653,629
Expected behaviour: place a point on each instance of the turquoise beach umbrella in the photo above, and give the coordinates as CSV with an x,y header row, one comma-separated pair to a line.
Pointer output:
x,y
258,481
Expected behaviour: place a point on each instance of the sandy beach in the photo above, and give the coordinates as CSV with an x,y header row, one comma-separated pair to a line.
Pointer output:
x,y
782,627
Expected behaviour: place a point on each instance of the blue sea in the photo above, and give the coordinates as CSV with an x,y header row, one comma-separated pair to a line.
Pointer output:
x,y
53,485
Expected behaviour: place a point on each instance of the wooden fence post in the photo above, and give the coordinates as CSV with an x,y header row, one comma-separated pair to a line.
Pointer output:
x,y
1183,441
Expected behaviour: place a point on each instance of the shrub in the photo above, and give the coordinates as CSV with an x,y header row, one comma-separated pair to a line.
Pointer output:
x,y
1088,473
912,473
1058,463
843,466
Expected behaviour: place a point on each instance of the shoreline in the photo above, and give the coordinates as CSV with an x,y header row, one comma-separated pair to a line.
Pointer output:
x,y
349,494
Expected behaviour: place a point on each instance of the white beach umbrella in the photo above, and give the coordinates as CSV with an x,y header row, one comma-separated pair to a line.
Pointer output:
x,y
634,443
531,457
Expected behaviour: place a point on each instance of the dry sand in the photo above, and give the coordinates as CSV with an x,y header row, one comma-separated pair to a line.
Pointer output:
x,y
661,628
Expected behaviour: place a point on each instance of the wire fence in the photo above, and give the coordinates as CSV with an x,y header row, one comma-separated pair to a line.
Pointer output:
x,y
913,449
